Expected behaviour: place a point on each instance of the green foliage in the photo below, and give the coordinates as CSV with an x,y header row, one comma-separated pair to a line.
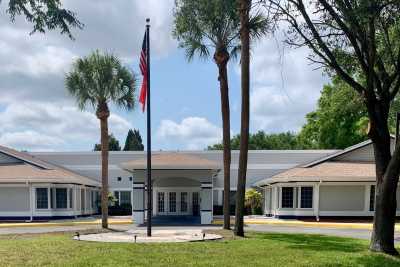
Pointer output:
x,y
340,120
202,24
113,144
264,141
44,15
99,79
133,141
253,201
111,199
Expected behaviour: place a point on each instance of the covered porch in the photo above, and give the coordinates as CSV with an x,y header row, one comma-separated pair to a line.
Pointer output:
x,y
182,188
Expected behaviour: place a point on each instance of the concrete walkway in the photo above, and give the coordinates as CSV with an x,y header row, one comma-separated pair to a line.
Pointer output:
x,y
158,236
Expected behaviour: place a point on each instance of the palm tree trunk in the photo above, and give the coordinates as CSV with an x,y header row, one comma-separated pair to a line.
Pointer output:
x,y
103,113
221,57
244,9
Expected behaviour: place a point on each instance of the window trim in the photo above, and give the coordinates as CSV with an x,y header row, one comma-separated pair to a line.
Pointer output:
x,y
36,198
281,198
66,198
312,197
372,199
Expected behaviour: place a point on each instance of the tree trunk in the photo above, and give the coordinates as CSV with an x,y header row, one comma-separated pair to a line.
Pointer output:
x,y
103,113
221,57
244,9
387,177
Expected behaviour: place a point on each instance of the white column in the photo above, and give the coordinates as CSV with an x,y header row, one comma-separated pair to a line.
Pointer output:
x,y
138,203
75,203
206,203
316,201
31,201
220,200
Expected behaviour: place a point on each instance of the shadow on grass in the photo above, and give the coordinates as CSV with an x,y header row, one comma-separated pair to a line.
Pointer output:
x,y
378,260
316,242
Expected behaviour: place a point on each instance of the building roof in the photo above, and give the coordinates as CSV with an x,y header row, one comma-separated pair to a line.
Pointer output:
x,y
172,161
31,169
326,171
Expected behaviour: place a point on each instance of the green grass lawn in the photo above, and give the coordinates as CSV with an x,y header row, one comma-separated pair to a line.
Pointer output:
x,y
255,250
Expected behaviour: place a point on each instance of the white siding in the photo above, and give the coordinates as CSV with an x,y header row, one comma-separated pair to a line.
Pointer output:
x,y
14,199
342,198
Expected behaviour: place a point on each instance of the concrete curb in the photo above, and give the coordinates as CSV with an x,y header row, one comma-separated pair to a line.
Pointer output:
x,y
367,226
44,224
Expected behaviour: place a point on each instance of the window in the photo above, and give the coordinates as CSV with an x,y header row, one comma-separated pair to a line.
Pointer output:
x,y
131,178
306,197
287,197
125,197
172,201
52,198
71,202
160,200
184,203
42,198
61,198
119,179
372,198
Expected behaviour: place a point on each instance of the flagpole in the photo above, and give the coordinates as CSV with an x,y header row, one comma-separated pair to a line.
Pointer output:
x,y
149,183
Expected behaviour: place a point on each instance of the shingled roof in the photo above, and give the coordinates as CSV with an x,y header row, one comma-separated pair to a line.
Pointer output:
x,y
327,171
31,169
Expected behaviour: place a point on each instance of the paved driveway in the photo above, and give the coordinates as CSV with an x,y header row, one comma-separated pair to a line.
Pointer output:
x,y
298,229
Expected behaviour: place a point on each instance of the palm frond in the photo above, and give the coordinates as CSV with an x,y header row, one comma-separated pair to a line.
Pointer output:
x,y
259,25
101,78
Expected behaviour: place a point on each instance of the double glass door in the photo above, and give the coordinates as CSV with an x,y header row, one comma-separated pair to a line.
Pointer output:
x,y
175,203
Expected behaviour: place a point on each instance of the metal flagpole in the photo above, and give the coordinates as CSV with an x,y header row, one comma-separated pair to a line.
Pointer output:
x,y
149,183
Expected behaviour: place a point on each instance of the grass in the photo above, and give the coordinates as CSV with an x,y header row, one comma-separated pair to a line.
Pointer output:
x,y
258,249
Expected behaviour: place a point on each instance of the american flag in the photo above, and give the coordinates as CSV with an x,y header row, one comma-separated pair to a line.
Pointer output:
x,y
143,70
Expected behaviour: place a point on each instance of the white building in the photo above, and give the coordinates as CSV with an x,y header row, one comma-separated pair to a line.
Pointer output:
x,y
188,183
339,185
31,189
296,183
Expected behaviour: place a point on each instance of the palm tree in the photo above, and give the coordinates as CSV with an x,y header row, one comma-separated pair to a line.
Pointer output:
x,y
244,11
97,81
204,25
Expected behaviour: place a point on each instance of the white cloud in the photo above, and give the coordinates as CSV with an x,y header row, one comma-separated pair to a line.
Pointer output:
x,y
29,125
33,66
285,87
30,140
35,110
192,132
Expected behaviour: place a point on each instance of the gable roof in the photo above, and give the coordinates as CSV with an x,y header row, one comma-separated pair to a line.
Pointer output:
x,y
328,169
326,172
32,169
341,153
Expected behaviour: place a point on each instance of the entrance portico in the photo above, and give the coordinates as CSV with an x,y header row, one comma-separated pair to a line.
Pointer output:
x,y
182,186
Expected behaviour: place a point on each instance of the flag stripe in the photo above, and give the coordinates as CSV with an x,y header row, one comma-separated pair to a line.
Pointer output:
x,y
143,70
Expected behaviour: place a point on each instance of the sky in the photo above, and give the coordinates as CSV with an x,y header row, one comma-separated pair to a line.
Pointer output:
x,y
37,114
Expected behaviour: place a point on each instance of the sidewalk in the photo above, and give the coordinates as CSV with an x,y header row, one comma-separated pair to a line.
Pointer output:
x,y
71,222
262,220
249,220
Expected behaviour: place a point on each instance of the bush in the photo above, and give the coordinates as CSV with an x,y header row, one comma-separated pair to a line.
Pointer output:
x,y
119,210
253,202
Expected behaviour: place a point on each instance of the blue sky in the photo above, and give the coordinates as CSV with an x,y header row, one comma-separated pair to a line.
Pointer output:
x,y
36,113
